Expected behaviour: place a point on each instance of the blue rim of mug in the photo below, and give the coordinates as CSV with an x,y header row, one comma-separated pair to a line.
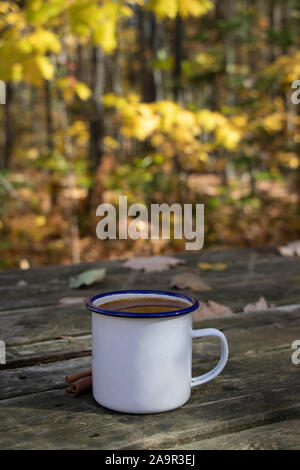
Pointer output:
x,y
116,313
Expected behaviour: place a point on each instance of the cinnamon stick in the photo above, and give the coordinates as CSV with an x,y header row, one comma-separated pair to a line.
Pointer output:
x,y
73,377
79,386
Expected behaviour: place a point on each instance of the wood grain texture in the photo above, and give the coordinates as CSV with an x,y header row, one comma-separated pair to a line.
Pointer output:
x,y
284,435
252,404
246,395
27,338
250,273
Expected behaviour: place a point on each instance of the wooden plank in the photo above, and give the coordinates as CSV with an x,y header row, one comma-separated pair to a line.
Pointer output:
x,y
235,258
248,335
36,414
39,276
45,349
58,273
54,289
247,394
27,380
44,323
27,337
284,435
251,273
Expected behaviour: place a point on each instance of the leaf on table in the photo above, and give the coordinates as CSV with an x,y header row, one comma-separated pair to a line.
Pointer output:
x,y
189,280
211,309
212,267
71,300
69,338
260,305
290,249
152,263
21,283
87,278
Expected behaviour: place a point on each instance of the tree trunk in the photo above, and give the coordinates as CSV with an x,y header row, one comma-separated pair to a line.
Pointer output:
x,y
217,85
146,78
96,117
156,43
80,65
9,128
229,55
116,73
178,53
271,26
49,123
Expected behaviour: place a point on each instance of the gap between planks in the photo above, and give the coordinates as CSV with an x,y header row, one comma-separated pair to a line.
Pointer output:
x,y
230,325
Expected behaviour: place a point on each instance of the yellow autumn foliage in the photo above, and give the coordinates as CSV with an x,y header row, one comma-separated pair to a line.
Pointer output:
x,y
289,160
70,88
185,8
286,68
172,129
139,121
82,90
228,136
90,18
43,41
274,122
26,40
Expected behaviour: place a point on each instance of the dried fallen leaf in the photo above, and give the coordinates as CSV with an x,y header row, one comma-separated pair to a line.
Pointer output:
x,y
21,283
87,278
69,338
260,305
211,309
212,267
291,249
219,267
71,300
189,280
152,263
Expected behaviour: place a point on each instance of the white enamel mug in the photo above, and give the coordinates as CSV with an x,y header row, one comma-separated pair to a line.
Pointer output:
x,y
142,362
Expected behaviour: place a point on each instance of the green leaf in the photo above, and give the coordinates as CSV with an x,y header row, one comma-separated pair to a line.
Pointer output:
x,y
87,278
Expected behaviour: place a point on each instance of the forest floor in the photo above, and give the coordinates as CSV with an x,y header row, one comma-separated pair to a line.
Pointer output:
x,y
36,231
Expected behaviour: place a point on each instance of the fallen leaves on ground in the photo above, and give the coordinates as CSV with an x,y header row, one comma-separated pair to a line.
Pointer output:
x,y
87,278
260,305
71,300
290,249
189,280
212,267
152,263
211,309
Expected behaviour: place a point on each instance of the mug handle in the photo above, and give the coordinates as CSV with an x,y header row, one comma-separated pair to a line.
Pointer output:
x,y
202,379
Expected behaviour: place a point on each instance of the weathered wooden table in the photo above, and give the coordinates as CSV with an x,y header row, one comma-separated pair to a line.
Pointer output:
x,y
253,404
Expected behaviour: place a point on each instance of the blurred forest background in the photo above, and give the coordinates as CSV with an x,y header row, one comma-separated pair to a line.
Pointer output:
x,y
184,101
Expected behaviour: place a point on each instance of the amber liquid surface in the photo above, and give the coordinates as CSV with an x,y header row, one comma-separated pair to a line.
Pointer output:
x,y
144,305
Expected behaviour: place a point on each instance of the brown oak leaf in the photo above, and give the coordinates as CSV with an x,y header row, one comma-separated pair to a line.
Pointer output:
x,y
290,249
261,304
211,309
152,263
189,280
71,300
